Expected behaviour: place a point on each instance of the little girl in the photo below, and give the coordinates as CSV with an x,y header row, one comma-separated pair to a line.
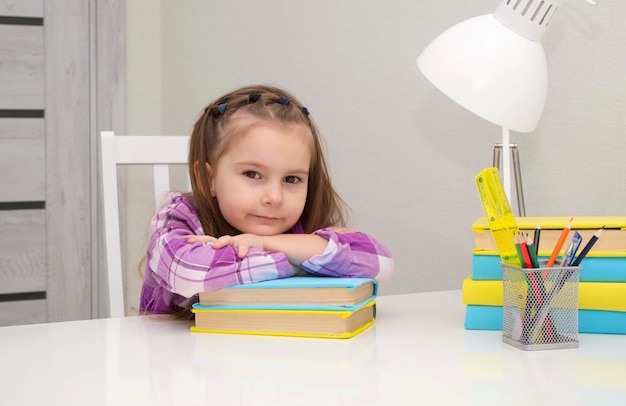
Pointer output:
x,y
262,207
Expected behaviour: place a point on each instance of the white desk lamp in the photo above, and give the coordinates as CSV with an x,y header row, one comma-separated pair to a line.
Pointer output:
x,y
494,66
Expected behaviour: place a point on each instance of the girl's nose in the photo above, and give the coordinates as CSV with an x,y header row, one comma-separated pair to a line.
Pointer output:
x,y
272,195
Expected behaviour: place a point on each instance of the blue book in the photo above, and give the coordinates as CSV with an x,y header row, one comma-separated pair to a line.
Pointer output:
x,y
298,292
589,321
610,267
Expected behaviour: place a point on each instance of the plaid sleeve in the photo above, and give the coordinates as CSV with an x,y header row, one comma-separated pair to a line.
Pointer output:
x,y
187,269
352,254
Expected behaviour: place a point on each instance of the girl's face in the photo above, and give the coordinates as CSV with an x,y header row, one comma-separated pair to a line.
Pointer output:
x,y
260,182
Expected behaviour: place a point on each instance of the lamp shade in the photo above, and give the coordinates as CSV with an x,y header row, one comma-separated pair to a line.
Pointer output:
x,y
490,70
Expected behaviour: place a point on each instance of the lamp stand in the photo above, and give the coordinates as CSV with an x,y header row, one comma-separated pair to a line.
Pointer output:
x,y
497,155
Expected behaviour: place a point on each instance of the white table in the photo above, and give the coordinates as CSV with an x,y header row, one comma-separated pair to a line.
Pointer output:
x,y
417,354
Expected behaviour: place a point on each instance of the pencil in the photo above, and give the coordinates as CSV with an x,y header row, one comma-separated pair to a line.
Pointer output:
x,y
585,250
520,254
536,238
539,292
524,250
532,250
559,244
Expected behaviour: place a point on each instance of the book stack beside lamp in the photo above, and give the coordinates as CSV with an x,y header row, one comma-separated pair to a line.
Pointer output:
x,y
602,286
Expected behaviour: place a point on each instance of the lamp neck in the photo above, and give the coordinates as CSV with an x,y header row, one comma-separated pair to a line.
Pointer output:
x,y
528,18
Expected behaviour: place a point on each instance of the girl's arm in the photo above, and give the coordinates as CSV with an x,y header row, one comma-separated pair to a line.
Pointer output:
x,y
297,247
352,254
328,252
187,269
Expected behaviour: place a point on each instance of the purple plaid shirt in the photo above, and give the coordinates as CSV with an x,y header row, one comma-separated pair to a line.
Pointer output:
x,y
177,271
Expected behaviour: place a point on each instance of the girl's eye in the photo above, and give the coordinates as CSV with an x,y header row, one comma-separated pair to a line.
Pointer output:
x,y
252,174
292,179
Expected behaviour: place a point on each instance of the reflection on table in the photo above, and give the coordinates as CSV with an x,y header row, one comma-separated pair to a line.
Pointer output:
x,y
416,353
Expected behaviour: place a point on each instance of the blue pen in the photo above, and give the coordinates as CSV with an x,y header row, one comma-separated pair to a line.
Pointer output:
x,y
568,257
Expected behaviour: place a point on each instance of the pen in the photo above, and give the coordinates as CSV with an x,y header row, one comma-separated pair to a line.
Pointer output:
x,y
589,245
571,250
536,238
559,244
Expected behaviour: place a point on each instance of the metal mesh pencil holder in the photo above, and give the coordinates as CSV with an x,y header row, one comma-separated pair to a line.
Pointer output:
x,y
540,307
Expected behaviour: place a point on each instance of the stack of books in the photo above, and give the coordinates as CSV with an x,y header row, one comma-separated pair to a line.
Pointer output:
x,y
307,306
602,286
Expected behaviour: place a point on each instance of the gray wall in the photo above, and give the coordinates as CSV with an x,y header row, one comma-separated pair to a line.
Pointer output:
x,y
402,154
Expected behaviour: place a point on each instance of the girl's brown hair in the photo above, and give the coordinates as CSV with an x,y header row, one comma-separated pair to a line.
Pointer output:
x,y
212,134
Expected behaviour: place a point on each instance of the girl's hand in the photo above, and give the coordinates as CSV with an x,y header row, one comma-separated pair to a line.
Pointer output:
x,y
297,247
242,243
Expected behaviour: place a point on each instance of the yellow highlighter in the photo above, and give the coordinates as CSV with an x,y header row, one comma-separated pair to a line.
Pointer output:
x,y
499,214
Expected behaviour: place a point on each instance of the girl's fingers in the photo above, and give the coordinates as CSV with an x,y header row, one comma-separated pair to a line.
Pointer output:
x,y
223,241
239,243
242,248
192,239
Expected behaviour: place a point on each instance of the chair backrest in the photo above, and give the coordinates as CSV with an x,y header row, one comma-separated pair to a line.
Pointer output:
x,y
157,151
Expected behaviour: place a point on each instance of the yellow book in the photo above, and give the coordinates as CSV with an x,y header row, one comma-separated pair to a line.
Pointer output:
x,y
309,321
591,295
613,237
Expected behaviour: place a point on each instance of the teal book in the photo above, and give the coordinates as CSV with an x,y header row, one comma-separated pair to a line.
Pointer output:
x,y
609,267
295,292
589,321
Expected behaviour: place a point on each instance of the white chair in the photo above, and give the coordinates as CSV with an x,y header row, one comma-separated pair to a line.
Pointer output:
x,y
158,151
